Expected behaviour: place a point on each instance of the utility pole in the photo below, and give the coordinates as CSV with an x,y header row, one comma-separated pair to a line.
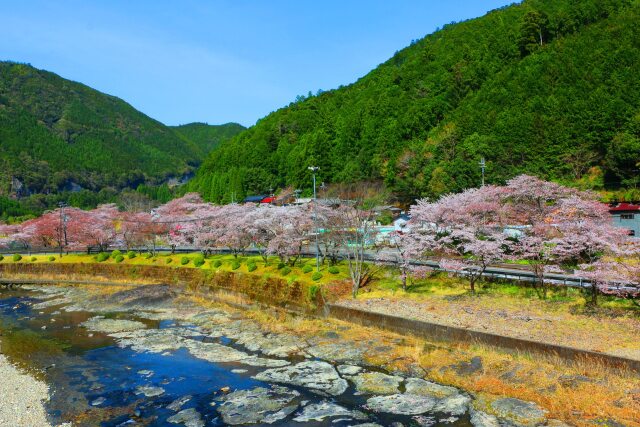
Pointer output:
x,y
313,170
62,230
483,165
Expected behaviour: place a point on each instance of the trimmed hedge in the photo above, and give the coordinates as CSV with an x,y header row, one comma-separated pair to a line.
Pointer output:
x,y
148,255
1,257
252,267
33,259
168,261
307,269
102,257
316,276
281,265
235,265
119,258
334,270
16,257
131,254
114,254
184,260
284,271
52,258
217,263
198,261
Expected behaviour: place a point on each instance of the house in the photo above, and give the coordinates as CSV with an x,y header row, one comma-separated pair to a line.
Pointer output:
x,y
400,222
627,216
255,199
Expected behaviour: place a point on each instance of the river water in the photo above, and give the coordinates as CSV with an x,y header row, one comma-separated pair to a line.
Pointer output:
x,y
96,380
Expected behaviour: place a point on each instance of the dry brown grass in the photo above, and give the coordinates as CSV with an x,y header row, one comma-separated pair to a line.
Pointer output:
x,y
531,377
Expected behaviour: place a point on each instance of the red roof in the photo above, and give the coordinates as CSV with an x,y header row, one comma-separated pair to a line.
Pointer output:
x,y
268,200
624,207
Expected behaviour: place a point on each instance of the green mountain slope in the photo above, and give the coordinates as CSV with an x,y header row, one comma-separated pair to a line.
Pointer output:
x,y
55,133
547,87
208,136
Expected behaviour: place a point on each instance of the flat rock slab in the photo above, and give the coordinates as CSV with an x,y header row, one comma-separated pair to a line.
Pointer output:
x,y
109,326
402,404
428,388
149,391
188,417
315,375
258,405
457,404
322,410
377,383
519,412
349,370
337,352
482,419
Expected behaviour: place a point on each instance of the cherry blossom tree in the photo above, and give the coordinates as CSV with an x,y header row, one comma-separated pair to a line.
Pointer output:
x,y
292,226
465,231
95,228
184,218
561,227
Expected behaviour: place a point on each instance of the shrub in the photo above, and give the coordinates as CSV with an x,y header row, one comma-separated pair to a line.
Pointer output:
x,y
307,269
1,257
316,276
168,261
313,291
148,255
217,263
52,258
284,271
281,265
119,258
16,257
114,254
184,260
235,265
198,261
252,267
33,259
131,254
334,270
102,257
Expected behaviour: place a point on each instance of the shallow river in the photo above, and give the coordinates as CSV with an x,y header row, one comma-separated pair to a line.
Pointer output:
x,y
112,380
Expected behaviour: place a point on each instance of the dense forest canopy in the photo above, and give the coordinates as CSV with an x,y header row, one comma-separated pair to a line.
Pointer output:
x,y
207,136
546,87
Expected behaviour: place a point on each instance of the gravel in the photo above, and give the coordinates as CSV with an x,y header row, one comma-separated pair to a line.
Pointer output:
x,y
22,398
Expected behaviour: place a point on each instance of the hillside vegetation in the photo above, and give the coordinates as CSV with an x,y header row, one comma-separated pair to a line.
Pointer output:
x,y
545,87
57,134
207,136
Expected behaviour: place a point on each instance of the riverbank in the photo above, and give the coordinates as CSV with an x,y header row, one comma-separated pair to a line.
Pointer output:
x,y
22,397
582,394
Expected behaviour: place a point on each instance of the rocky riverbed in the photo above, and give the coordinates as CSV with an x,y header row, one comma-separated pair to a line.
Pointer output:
x,y
142,356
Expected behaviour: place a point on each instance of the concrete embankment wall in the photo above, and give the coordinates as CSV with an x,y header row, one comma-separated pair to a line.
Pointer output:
x,y
444,333
290,295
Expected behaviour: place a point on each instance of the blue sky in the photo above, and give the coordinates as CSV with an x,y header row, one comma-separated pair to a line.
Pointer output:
x,y
218,61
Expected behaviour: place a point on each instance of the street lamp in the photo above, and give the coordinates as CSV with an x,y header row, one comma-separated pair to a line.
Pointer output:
x,y
313,170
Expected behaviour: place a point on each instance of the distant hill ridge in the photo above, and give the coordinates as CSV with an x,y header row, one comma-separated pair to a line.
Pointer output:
x,y
546,87
56,134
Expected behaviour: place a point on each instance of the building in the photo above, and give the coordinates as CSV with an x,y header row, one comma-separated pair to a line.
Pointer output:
x,y
627,216
255,199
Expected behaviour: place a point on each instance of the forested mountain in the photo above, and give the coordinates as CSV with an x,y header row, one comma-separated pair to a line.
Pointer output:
x,y
547,87
208,136
57,134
